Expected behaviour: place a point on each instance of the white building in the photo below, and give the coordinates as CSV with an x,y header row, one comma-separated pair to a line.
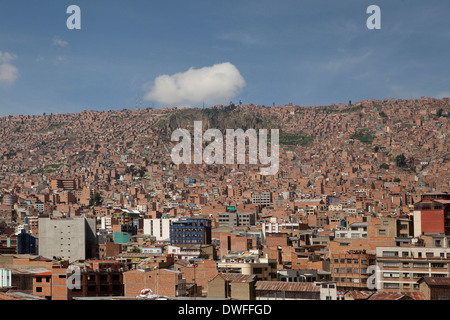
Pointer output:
x,y
273,226
357,230
399,268
158,228
105,223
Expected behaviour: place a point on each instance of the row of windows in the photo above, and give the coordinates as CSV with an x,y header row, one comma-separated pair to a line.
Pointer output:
x,y
349,261
350,270
115,287
405,254
103,277
188,235
350,280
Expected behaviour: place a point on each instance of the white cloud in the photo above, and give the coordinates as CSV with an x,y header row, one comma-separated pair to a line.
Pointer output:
x,y
59,59
216,84
8,72
59,42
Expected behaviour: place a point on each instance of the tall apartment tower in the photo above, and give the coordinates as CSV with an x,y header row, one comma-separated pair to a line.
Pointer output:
x,y
432,214
190,231
68,238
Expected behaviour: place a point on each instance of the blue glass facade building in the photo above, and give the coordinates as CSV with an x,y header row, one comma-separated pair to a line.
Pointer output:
x,y
190,231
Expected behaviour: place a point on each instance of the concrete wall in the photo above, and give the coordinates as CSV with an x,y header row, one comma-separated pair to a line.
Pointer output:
x,y
66,238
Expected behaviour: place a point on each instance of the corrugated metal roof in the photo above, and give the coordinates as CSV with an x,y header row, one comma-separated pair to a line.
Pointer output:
x,y
237,277
416,295
388,296
359,295
437,281
287,286
18,271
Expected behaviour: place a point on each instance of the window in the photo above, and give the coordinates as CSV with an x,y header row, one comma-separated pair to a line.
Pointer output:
x,y
438,265
390,275
38,279
420,264
390,264
390,254
38,289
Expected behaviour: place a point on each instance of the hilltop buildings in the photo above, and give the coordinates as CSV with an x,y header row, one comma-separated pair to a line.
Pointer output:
x,y
98,190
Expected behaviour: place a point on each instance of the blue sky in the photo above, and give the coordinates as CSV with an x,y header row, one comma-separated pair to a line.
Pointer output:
x,y
313,52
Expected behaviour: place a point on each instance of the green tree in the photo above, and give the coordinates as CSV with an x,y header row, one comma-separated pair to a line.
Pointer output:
x,y
384,166
400,161
97,199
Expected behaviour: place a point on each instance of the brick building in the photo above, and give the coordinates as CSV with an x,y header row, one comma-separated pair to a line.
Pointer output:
x,y
435,288
163,282
94,279
432,214
349,270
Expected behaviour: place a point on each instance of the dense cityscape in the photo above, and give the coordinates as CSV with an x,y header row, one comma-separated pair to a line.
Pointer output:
x,y
93,207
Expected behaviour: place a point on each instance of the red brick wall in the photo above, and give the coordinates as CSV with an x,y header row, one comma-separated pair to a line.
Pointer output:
x,y
160,281
432,221
204,271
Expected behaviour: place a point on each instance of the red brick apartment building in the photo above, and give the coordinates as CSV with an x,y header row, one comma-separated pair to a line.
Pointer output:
x,y
199,272
96,280
349,270
65,184
432,214
163,282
